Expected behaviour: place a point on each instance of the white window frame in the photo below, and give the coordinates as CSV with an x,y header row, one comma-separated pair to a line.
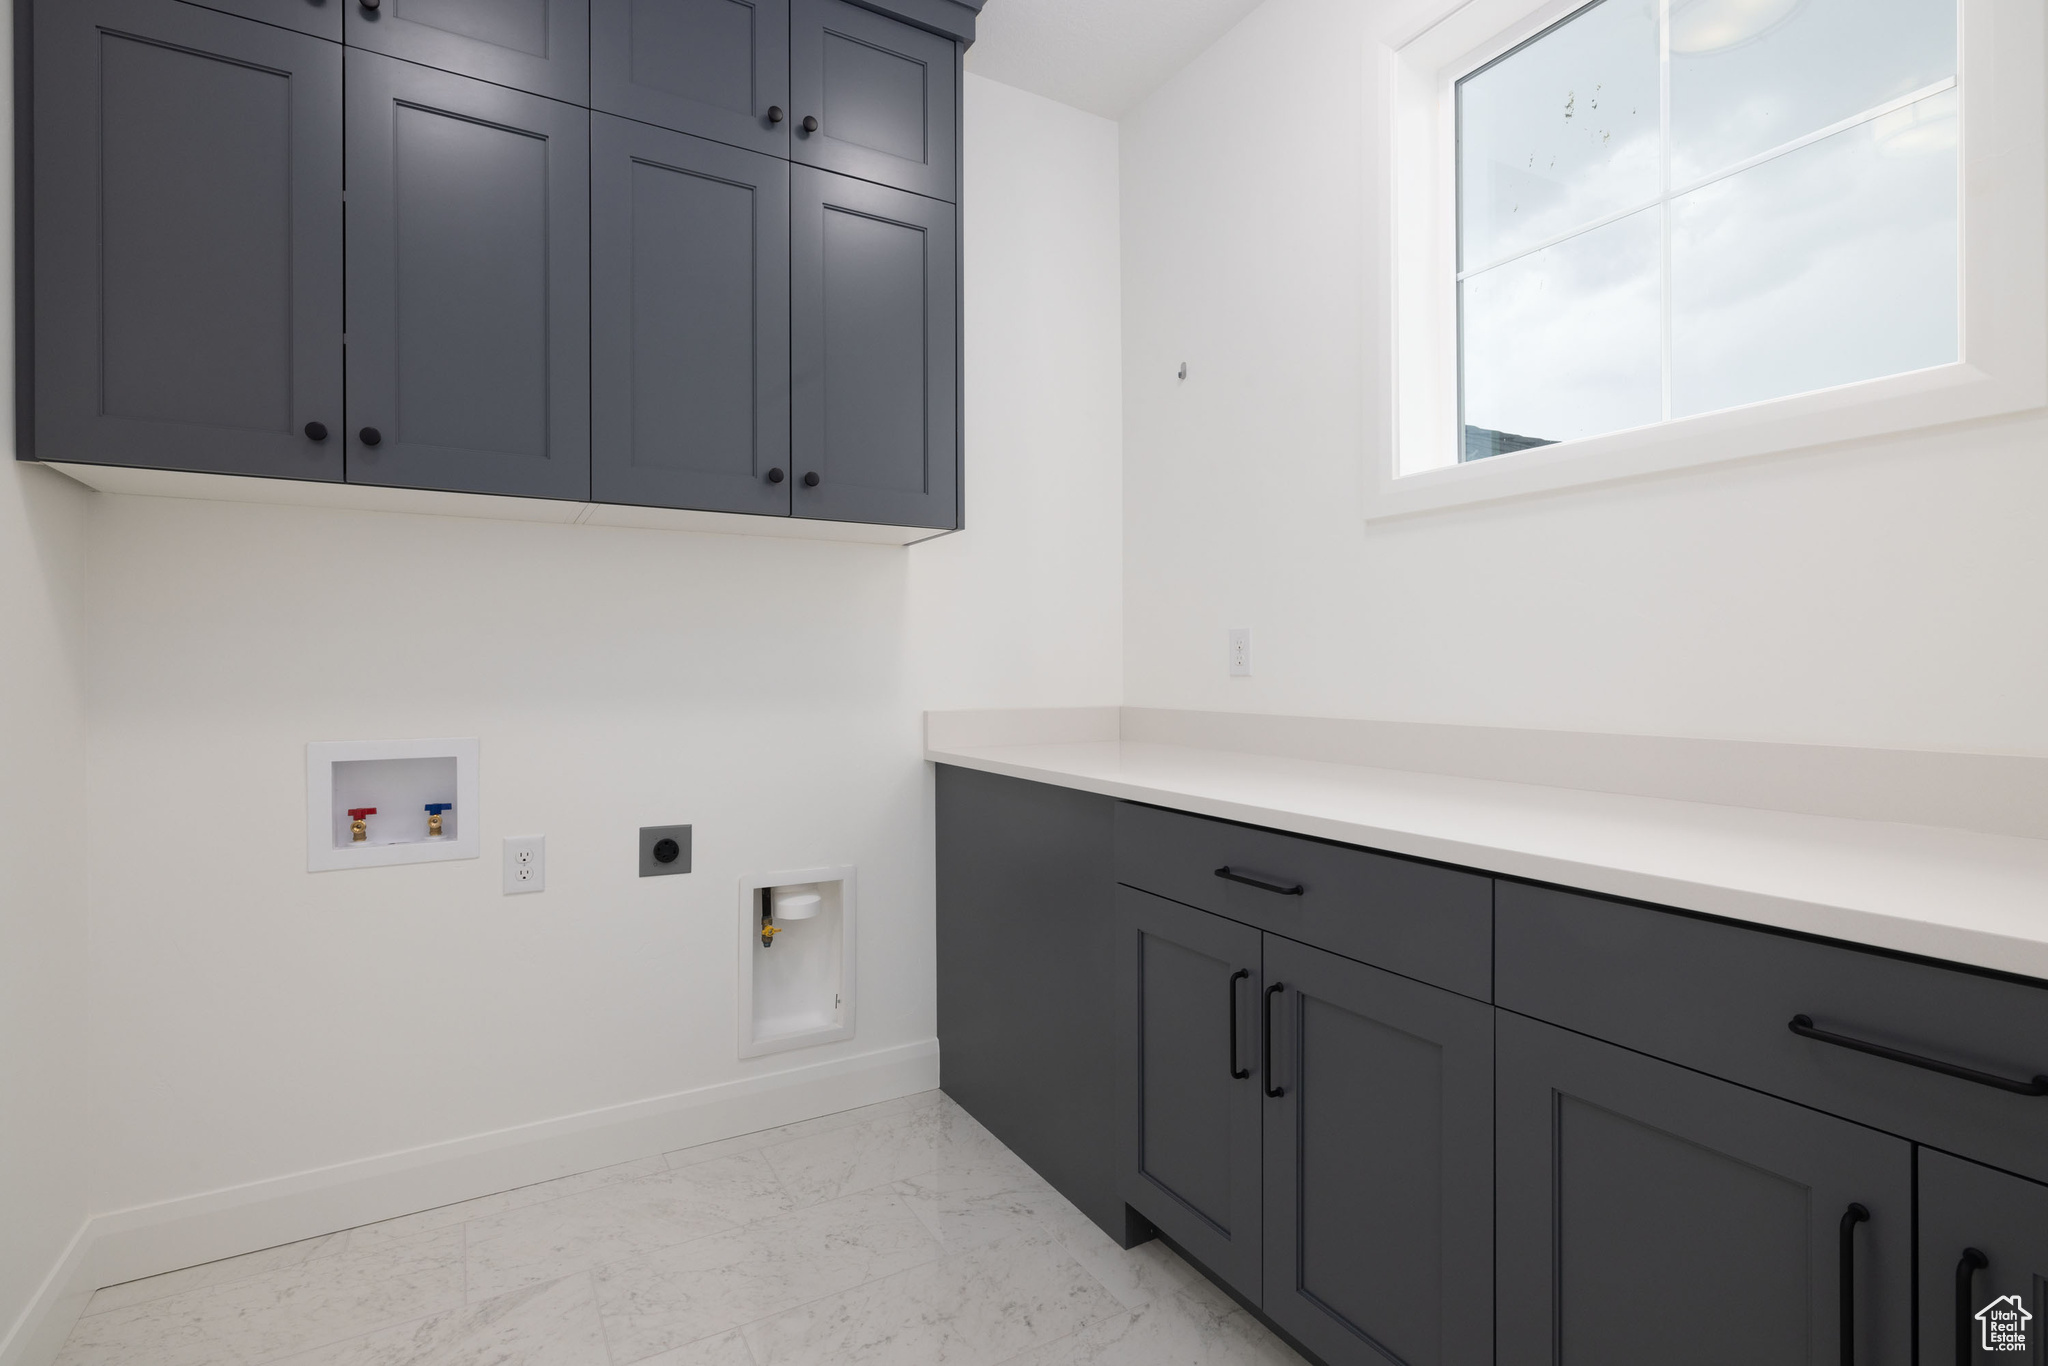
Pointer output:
x,y
2002,219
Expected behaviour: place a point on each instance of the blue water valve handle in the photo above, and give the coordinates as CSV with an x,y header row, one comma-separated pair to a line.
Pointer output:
x,y
436,808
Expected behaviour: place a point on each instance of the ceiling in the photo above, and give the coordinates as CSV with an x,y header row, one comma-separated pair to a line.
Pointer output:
x,y
1100,55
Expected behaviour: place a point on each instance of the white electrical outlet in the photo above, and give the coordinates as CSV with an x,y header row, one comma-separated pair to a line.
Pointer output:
x,y
1240,652
526,864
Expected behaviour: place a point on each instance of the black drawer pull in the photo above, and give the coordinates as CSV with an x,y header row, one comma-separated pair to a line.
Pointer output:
x,y
1966,1282
1803,1026
1272,1092
1283,888
1852,1216
1236,1073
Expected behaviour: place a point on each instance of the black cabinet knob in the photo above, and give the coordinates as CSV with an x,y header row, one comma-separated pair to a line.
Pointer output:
x,y
775,476
371,436
775,114
811,480
810,123
316,431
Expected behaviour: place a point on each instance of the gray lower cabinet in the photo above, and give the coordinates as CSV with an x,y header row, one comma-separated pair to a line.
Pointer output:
x,y
1378,1164
540,46
874,287
689,322
468,285
1027,976
1191,1080
715,68
186,241
873,98
1650,1213
1983,1265
321,18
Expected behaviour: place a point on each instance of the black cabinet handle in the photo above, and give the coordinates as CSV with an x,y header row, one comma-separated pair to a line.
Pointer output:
x,y
1282,888
316,431
1236,1073
1966,1282
1272,1092
775,114
775,476
1803,1026
370,436
811,480
1852,1216
810,123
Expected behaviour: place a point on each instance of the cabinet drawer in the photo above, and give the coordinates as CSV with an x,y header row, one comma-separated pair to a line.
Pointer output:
x,y
1721,998
1432,924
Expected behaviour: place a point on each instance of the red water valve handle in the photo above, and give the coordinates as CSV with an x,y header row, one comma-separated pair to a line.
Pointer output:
x,y
356,813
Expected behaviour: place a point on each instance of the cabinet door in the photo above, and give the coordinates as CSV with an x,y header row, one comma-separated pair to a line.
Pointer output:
x,y
1189,1079
690,322
883,96
468,285
1991,1306
321,18
539,46
874,289
187,242
1379,1164
1650,1213
716,68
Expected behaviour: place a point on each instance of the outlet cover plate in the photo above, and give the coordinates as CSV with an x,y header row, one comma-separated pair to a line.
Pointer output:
x,y
526,864
652,835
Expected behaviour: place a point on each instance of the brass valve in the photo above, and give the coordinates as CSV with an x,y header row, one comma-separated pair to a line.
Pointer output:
x,y
359,828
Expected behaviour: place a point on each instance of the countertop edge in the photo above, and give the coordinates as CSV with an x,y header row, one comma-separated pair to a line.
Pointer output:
x,y
1956,944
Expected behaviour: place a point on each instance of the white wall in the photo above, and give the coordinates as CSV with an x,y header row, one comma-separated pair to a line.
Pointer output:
x,y
1884,595
254,1021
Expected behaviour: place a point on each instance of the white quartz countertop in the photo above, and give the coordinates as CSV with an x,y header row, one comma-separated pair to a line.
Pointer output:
x,y
1957,895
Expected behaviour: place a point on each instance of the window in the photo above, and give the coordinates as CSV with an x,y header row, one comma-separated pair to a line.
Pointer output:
x,y
1668,207
1634,236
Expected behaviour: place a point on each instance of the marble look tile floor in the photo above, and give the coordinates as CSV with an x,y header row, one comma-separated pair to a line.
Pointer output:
x,y
902,1234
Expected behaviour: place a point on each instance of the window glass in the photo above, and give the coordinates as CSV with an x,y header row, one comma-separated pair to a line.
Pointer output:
x,y
1750,75
1559,133
1617,270
1829,265
1565,342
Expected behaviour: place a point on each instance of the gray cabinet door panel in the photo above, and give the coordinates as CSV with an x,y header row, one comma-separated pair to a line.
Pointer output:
x,y
1649,1213
874,320
1721,998
690,322
468,284
883,94
1379,1165
1965,1207
1190,1130
1433,924
321,18
539,46
709,67
187,241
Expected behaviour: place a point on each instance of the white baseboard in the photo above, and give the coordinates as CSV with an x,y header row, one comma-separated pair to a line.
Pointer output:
x,y
151,1239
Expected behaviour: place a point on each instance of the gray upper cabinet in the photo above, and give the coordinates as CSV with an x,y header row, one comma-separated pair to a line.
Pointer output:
x,y
1190,1080
1983,1264
874,288
1649,1213
715,68
468,285
873,98
321,18
540,46
690,322
1378,1164
186,244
